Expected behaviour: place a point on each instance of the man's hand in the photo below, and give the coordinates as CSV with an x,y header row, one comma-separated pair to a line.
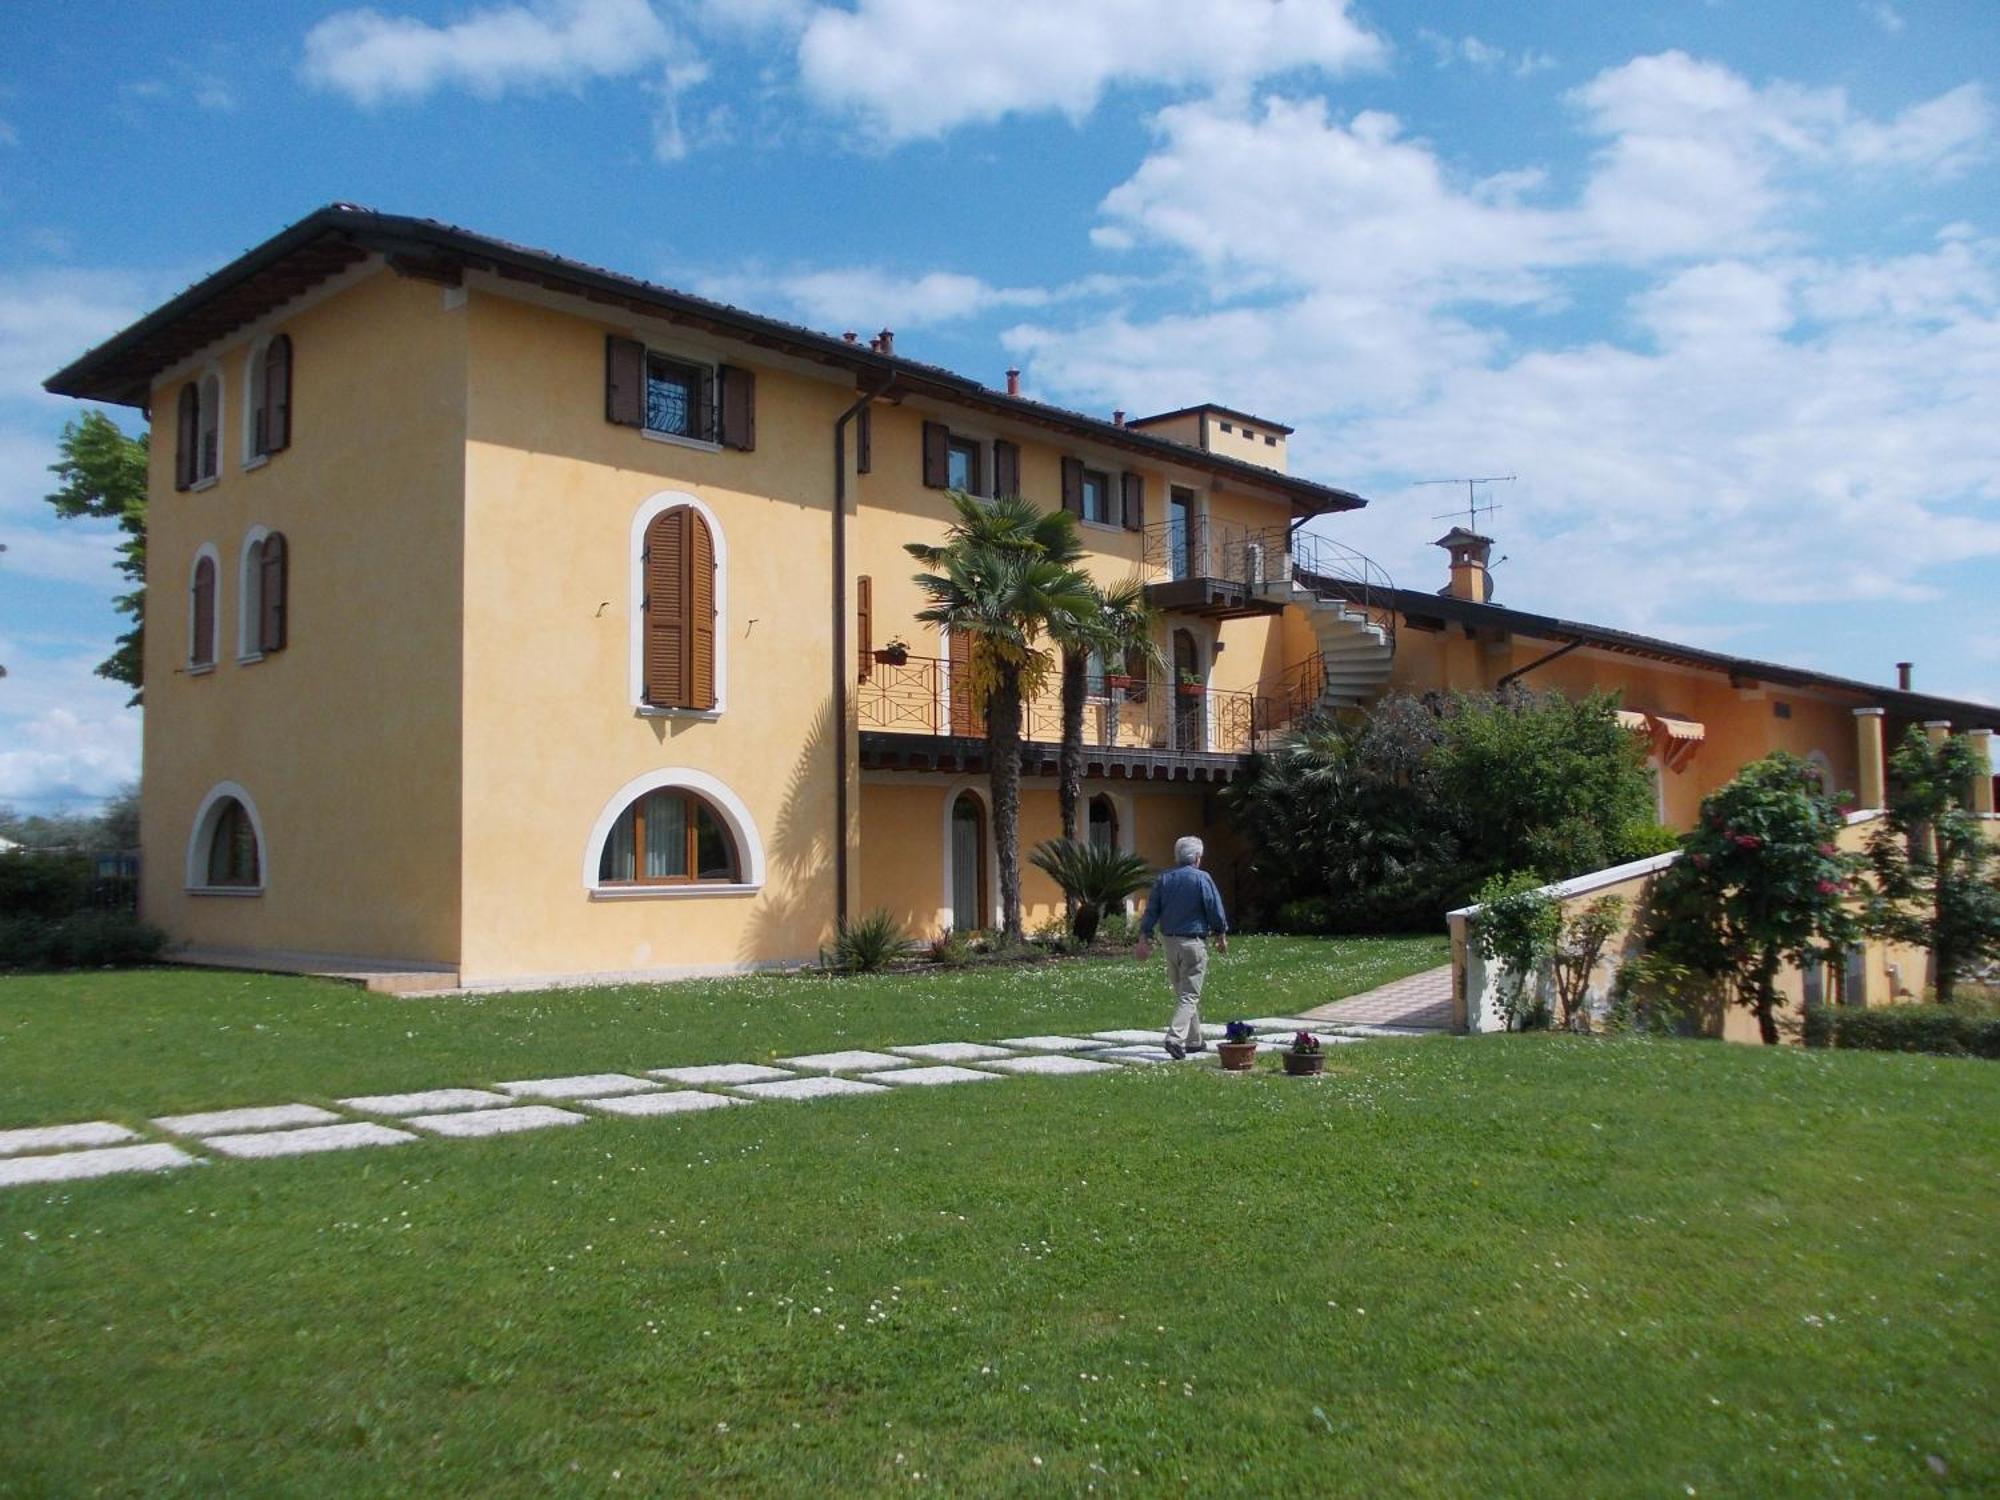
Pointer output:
x,y
1144,951
1222,942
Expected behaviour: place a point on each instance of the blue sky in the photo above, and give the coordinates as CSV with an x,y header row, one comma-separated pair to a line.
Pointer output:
x,y
1719,281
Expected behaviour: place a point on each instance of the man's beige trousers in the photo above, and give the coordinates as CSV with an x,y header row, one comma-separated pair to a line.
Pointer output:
x,y
1187,967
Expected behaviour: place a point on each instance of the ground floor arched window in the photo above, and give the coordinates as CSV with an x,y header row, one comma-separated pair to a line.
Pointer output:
x,y
671,836
226,846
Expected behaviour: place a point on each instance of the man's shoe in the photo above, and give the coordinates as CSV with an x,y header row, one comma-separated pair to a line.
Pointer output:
x,y
1196,1047
1174,1048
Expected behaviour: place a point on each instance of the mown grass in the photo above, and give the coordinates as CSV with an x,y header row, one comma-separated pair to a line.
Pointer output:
x,y
128,1044
1511,1265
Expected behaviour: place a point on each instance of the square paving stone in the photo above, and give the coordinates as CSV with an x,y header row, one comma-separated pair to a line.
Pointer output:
x,y
70,1166
231,1121
1133,1036
853,1061
1285,1023
808,1088
667,1102
577,1086
718,1073
1050,1065
482,1122
64,1137
1056,1043
350,1137
428,1101
1138,1055
930,1077
951,1052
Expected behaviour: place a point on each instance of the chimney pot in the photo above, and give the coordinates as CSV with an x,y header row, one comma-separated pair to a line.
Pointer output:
x,y
1118,419
1903,674
851,336
886,341
1013,382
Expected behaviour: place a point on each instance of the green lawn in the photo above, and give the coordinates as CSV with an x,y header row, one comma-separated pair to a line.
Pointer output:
x,y
1509,1265
128,1045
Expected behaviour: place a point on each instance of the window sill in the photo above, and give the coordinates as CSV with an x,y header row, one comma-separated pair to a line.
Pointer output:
x,y
654,711
1107,526
204,484
200,668
669,892
675,440
245,659
255,461
224,890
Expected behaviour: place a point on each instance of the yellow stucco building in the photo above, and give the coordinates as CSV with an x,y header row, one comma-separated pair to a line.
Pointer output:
x,y
514,621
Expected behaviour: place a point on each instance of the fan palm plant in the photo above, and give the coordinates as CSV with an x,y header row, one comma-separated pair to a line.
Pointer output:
x,y
1093,877
1001,578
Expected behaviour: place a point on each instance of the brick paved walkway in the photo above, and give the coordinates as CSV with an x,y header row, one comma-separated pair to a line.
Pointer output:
x,y
1421,1000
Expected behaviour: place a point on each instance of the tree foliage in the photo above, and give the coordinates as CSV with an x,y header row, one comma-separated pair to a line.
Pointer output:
x,y
1761,881
1936,877
1093,877
102,474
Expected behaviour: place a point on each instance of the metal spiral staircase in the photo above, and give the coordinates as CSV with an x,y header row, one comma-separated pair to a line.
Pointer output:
x,y
1351,603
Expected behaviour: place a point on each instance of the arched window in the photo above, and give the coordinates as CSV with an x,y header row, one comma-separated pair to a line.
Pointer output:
x,y
967,853
267,386
201,610
225,854
1103,824
669,837
263,613
679,574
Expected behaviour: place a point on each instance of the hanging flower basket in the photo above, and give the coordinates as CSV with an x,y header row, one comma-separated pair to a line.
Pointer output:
x,y
895,654
1191,690
1117,682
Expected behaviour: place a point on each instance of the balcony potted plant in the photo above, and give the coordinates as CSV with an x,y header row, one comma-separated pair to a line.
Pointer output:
x,y
1118,682
1305,1058
1190,685
894,652
1237,1051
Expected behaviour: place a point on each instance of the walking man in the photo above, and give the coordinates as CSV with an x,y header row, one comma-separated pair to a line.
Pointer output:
x,y
1187,908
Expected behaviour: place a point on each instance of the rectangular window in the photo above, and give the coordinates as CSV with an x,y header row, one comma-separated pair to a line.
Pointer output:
x,y
1096,495
677,399
962,465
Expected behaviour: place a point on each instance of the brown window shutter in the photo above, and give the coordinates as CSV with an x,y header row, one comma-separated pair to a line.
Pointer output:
x,y
937,455
739,407
1135,502
666,642
1072,486
864,440
204,612
864,624
1006,468
276,435
624,381
187,436
701,614
274,571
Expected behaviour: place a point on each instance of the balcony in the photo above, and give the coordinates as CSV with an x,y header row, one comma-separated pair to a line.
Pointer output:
x,y
1217,570
911,718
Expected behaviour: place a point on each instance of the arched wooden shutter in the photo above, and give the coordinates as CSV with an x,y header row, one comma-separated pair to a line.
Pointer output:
x,y
276,435
274,612
701,614
666,607
203,651
187,436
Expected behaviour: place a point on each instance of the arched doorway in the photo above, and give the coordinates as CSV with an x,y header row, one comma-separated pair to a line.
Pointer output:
x,y
1188,716
1102,826
969,904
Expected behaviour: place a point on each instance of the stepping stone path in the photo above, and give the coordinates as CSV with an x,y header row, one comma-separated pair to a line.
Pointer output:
x,y
101,1148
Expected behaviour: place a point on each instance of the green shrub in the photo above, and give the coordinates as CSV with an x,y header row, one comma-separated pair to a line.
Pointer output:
x,y
81,940
44,883
951,948
1518,926
1094,877
1943,1029
1118,931
868,945
1655,996
1306,918
1644,840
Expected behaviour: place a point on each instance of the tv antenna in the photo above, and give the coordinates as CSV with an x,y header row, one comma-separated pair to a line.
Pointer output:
x,y
1473,504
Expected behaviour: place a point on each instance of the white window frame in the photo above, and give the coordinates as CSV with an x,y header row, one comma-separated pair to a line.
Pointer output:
x,y
208,409
1109,477
195,668
729,807
983,449
249,586
651,506
203,833
712,366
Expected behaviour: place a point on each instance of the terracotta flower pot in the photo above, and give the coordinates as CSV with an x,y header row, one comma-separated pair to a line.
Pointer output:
x,y
1236,1057
1305,1064
1191,690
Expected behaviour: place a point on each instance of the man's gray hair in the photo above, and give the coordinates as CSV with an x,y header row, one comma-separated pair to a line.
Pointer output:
x,y
1187,851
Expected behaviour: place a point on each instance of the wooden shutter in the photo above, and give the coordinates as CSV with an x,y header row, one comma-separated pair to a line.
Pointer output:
x,y
274,575
739,407
1006,468
1135,502
624,381
204,613
701,614
937,455
275,427
187,436
864,624
1072,486
666,642
864,440
965,718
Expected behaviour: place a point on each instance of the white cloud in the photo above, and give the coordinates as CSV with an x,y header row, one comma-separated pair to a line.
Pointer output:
x,y
1482,55
48,318
1884,15
917,68
865,298
66,737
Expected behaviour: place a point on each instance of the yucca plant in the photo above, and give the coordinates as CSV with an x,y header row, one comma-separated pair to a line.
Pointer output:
x,y
870,944
1092,876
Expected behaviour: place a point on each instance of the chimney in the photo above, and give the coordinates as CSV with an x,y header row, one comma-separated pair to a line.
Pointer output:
x,y
1118,419
1903,674
886,341
1470,579
851,336
1013,382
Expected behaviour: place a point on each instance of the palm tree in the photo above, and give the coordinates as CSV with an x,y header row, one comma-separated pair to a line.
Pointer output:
x,y
1000,578
1118,627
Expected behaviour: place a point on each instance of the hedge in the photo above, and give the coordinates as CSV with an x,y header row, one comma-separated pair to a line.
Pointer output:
x,y
1941,1029
83,940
